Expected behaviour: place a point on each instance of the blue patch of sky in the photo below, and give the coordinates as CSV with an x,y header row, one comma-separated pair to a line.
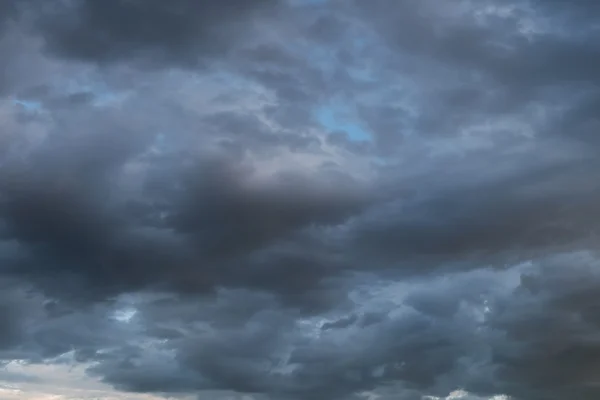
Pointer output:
x,y
338,118
28,105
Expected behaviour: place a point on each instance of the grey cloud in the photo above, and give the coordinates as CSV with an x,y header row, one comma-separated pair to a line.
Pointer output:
x,y
247,130
342,139
290,202
493,45
548,347
35,329
16,377
180,32
515,217
11,324
578,12
225,352
340,323
21,64
8,10
268,352
203,221
266,253
502,67
139,369
390,125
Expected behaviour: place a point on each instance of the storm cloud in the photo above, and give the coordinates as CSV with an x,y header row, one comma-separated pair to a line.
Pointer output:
x,y
300,199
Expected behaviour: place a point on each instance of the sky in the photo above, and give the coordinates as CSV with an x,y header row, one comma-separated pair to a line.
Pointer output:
x,y
299,199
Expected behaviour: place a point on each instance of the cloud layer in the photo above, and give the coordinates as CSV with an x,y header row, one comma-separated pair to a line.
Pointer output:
x,y
273,200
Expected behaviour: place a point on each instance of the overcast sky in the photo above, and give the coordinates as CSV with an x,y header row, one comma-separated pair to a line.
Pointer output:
x,y
299,199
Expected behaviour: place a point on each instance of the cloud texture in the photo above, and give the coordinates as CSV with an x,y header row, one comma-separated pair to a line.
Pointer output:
x,y
308,199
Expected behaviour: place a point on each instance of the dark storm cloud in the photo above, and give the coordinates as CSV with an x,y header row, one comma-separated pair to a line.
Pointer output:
x,y
177,32
529,333
10,322
194,228
513,215
58,201
579,11
289,73
546,341
529,54
183,230
226,351
497,45
266,349
21,64
534,339
7,11
34,329
244,216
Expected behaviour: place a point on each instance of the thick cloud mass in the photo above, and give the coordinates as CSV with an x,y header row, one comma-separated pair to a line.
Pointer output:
x,y
179,31
277,199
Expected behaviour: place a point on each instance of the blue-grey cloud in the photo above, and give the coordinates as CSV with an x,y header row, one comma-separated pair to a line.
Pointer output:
x,y
302,199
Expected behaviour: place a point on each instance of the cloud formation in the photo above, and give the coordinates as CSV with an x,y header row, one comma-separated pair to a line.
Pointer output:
x,y
290,200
